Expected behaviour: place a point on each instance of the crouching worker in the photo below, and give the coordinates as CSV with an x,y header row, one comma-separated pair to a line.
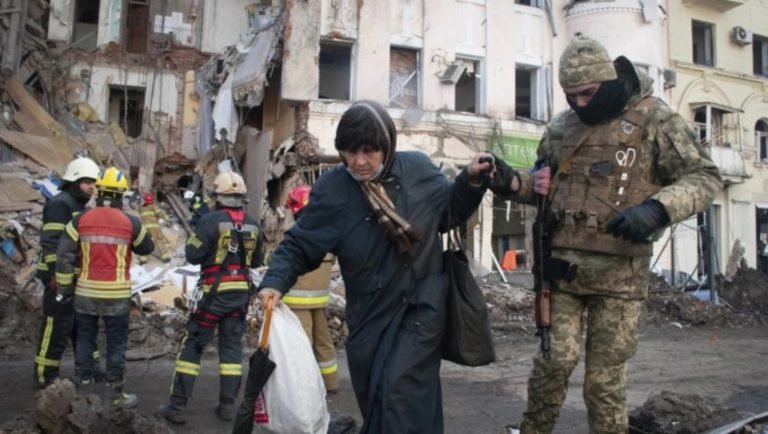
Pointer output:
x,y
226,243
104,238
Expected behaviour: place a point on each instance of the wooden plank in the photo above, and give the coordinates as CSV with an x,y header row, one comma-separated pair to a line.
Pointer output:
x,y
41,149
17,189
19,206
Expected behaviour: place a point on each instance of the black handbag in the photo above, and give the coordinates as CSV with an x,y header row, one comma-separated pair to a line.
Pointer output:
x,y
467,340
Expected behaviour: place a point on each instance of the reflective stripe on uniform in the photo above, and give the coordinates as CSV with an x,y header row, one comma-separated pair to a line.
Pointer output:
x,y
230,369
109,294
44,344
101,284
103,239
140,238
54,226
240,285
50,258
152,226
47,362
188,368
328,367
122,253
194,241
72,232
86,260
65,278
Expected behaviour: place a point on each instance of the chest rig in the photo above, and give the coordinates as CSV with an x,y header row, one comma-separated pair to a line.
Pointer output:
x,y
603,171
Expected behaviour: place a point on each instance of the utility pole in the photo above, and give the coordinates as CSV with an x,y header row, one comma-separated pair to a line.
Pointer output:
x,y
710,254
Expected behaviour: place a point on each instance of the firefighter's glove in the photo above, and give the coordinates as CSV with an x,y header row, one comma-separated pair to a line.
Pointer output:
x,y
501,180
638,222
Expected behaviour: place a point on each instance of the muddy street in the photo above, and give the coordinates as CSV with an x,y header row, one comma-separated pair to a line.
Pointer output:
x,y
725,365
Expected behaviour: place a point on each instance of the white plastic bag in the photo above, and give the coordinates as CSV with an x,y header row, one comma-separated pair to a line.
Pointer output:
x,y
293,400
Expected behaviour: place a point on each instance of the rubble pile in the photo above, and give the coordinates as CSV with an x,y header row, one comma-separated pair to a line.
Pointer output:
x,y
506,303
155,333
673,413
336,311
747,291
20,307
59,409
666,304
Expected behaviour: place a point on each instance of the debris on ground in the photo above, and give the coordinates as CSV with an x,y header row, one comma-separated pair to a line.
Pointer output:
x,y
341,424
672,413
670,305
60,409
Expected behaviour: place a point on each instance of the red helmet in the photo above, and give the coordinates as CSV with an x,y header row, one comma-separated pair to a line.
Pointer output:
x,y
148,199
298,198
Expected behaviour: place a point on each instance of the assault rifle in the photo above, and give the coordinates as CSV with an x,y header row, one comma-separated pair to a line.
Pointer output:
x,y
546,269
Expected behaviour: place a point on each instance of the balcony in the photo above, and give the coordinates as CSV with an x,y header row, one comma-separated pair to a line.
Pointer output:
x,y
730,162
719,5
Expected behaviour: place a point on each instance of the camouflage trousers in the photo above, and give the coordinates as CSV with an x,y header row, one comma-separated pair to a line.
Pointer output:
x,y
612,331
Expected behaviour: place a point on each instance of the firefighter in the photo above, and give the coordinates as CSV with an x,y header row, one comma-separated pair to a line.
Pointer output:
x,y
226,243
104,238
58,320
151,215
308,299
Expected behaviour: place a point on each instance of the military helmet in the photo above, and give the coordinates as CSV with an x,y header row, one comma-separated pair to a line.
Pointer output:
x,y
113,180
80,168
585,61
229,183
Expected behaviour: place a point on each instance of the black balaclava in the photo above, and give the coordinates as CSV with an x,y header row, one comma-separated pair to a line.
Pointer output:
x,y
606,103
74,189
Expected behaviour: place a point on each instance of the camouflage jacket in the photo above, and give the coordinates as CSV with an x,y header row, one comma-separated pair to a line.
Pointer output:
x,y
689,180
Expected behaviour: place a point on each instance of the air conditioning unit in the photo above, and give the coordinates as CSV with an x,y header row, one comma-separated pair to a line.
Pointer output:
x,y
741,36
453,73
670,78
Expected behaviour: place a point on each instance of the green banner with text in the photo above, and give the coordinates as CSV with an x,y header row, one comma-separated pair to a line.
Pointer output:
x,y
517,151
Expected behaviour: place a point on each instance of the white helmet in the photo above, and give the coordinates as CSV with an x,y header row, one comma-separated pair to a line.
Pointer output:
x,y
81,168
229,183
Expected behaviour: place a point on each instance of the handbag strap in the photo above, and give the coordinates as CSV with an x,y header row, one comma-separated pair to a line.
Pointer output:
x,y
267,324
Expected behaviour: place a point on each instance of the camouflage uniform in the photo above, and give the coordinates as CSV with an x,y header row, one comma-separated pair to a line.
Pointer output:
x,y
669,166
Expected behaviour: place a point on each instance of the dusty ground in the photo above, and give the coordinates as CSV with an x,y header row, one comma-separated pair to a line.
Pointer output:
x,y
728,365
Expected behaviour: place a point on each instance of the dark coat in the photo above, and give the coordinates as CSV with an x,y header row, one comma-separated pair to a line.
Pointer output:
x,y
395,304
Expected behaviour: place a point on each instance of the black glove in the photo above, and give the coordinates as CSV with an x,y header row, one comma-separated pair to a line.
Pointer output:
x,y
638,222
63,299
501,183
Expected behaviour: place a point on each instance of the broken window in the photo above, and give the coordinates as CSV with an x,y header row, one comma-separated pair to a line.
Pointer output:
x,y
126,108
335,71
760,55
526,93
761,139
404,77
86,24
703,43
468,88
709,130
137,26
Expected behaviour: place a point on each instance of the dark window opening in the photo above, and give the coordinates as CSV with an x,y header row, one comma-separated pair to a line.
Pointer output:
x,y
404,77
126,108
467,88
703,44
335,71
760,55
761,140
137,26
86,24
524,94
534,3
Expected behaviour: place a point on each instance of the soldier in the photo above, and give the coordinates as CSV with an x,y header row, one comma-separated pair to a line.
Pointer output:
x,y
58,320
308,299
626,166
226,243
151,215
103,238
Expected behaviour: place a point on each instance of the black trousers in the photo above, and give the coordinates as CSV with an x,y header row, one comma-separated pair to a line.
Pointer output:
x,y
200,331
56,331
116,329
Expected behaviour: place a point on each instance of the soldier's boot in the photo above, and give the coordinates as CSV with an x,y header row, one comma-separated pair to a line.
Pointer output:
x,y
119,399
172,414
226,411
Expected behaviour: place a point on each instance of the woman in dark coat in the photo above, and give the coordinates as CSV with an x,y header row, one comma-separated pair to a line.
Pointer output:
x,y
381,214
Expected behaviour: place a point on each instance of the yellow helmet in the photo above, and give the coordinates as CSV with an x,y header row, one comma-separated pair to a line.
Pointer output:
x,y
112,180
229,183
